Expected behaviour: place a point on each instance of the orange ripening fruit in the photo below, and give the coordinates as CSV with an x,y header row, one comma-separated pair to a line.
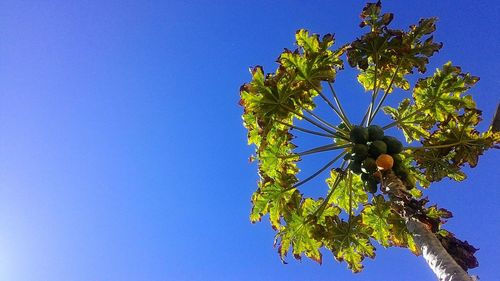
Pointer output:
x,y
384,162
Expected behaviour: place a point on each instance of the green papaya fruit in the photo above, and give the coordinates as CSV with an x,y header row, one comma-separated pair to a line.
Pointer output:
x,y
368,166
370,186
358,134
375,132
394,146
397,158
376,148
359,152
355,167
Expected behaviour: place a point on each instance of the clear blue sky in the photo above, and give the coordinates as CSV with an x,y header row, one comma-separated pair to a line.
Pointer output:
x,y
123,155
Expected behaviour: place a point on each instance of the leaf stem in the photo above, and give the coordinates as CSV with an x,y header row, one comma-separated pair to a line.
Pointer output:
x,y
337,101
392,124
418,110
310,120
386,92
325,122
338,179
322,169
305,130
374,94
339,114
350,199
323,148
436,146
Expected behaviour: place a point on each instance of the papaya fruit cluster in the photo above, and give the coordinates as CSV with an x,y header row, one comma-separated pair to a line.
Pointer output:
x,y
373,151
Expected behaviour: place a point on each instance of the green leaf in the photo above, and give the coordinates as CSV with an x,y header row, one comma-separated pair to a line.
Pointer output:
x,y
390,77
375,217
310,44
272,198
454,143
298,233
442,94
400,236
348,194
412,48
436,165
276,157
415,192
313,62
391,53
410,119
349,242
415,173
457,136
437,213
277,96
371,16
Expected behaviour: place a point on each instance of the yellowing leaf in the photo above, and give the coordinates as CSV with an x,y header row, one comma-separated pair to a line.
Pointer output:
x,y
390,76
310,44
349,242
458,136
411,120
400,236
375,217
314,62
298,233
270,198
442,94
437,166
349,193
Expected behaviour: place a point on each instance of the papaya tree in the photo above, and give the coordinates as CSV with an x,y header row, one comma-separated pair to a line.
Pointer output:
x,y
374,181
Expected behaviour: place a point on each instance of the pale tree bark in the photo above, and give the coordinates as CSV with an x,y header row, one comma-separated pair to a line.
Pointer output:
x,y
436,256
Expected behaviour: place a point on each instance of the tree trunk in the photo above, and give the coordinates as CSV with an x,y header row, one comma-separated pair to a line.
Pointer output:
x,y
436,256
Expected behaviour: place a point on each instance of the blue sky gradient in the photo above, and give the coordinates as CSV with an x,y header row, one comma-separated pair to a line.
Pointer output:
x,y
122,150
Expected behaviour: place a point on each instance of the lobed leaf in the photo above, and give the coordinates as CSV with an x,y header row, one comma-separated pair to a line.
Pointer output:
x,y
349,241
454,143
436,165
313,62
298,233
348,194
385,56
442,94
412,121
399,234
387,79
375,217
271,198
458,136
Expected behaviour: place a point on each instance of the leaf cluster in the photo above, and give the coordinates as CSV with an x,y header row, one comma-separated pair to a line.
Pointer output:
x,y
272,102
444,119
440,115
385,56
